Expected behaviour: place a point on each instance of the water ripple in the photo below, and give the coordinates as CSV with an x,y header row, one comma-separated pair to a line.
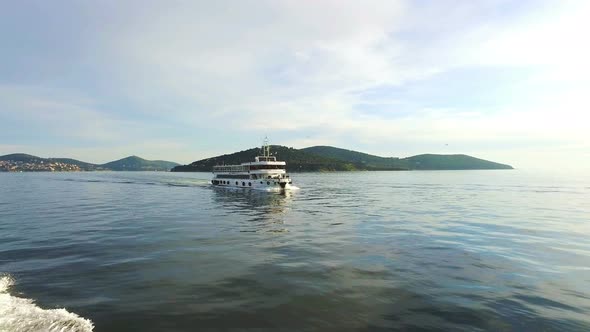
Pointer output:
x,y
456,251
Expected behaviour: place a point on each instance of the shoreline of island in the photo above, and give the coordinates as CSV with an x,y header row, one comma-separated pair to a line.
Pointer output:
x,y
312,159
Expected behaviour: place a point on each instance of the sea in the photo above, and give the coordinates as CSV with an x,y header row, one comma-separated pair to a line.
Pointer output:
x,y
494,250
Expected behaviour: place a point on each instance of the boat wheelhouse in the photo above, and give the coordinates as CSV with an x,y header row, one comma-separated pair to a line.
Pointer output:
x,y
264,173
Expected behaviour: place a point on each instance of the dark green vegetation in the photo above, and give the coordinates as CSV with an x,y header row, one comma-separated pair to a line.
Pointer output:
x,y
21,157
25,162
134,163
361,160
327,158
297,160
449,162
419,162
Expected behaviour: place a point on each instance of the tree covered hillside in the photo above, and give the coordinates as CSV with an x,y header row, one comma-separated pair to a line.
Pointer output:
x,y
135,163
359,159
297,160
419,162
327,158
449,162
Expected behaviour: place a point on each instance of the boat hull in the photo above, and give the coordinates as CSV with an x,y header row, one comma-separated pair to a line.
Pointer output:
x,y
257,184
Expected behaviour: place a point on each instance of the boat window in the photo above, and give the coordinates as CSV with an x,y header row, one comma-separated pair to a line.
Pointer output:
x,y
243,183
233,176
250,184
236,183
268,182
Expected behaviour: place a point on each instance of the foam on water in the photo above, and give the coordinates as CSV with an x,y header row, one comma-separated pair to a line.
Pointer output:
x,y
178,183
22,315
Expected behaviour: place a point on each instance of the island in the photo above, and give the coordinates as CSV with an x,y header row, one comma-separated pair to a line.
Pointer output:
x,y
328,158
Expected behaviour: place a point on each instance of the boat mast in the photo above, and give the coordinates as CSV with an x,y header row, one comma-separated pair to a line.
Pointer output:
x,y
265,148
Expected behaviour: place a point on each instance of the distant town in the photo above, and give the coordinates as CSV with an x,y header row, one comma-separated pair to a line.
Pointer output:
x,y
19,166
20,162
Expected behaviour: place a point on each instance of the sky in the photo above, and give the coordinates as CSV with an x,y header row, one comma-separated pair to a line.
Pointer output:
x,y
507,81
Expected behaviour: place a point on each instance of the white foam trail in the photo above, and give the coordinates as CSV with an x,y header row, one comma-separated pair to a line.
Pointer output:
x,y
22,315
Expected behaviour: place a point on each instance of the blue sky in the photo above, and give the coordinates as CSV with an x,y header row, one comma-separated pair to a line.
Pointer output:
x,y
185,80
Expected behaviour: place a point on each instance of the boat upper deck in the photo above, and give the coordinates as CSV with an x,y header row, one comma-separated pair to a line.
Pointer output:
x,y
265,158
252,166
265,163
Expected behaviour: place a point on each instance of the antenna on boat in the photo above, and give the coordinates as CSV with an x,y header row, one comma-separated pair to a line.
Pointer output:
x,y
265,147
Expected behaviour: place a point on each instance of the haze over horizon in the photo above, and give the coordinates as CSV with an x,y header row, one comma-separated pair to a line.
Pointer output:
x,y
506,81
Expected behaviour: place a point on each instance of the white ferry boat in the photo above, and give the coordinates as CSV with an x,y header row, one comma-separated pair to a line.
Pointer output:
x,y
264,173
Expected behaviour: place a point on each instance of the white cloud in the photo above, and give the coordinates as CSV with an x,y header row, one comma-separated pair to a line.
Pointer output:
x,y
51,112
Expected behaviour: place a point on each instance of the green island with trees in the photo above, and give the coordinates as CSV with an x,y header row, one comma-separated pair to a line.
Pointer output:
x,y
327,158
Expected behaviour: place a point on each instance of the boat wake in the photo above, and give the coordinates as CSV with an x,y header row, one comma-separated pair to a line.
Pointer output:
x,y
22,315
266,190
187,183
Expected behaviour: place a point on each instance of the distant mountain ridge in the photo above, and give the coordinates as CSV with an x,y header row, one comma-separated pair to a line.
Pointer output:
x,y
451,162
27,162
360,159
297,160
328,158
418,162
135,163
315,158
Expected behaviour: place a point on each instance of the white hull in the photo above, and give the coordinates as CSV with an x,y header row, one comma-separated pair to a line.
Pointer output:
x,y
266,185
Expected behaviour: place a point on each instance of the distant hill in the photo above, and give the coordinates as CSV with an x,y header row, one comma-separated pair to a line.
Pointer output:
x,y
135,163
327,158
21,157
297,160
27,162
360,159
419,162
81,164
450,162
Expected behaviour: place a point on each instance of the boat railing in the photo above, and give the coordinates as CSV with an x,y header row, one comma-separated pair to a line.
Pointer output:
x,y
230,168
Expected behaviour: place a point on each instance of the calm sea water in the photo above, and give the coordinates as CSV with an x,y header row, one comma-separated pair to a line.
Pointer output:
x,y
449,250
